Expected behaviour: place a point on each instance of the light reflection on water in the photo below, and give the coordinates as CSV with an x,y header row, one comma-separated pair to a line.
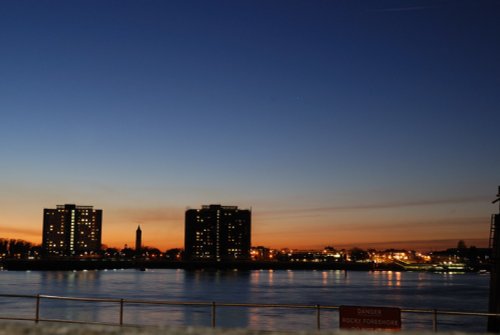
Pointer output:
x,y
464,292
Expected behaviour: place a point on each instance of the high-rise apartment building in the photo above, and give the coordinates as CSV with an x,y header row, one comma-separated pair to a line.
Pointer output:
x,y
217,233
71,230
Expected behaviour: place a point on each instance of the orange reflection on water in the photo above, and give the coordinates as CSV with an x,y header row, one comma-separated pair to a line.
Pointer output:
x,y
290,275
271,277
255,277
324,275
394,278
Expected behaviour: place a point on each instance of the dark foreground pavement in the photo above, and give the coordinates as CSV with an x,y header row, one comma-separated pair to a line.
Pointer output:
x,y
22,328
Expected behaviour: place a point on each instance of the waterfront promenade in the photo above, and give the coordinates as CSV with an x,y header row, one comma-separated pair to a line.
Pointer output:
x,y
352,317
9,328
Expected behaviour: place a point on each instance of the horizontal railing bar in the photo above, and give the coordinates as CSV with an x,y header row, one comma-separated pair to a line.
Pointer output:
x,y
224,304
466,313
329,307
444,312
54,297
417,311
17,296
221,304
16,318
162,302
79,322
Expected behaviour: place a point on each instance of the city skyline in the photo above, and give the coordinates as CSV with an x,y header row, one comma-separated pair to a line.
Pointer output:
x,y
419,245
368,123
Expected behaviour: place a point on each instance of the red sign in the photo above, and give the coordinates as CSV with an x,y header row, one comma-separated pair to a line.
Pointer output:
x,y
358,317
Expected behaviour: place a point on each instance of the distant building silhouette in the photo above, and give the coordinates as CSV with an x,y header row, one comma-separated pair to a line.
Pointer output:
x,y
71,230
217,233
138,240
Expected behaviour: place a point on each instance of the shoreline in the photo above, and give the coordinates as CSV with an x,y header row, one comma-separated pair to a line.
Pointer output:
x,y
97,264
86,264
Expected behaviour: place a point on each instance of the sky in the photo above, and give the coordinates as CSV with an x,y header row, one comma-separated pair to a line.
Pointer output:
x,y
338,122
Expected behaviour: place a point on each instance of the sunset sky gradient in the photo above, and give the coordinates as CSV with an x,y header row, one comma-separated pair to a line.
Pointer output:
x,y
343,123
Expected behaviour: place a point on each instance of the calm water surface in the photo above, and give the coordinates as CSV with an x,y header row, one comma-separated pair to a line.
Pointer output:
x,y
463,292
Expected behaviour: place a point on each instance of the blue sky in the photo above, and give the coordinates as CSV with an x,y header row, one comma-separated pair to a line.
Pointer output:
x,y
331,119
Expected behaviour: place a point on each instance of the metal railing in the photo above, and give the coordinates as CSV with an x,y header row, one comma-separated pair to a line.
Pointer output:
x,y
210,305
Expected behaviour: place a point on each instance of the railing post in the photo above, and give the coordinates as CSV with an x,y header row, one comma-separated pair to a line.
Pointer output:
x,y
435,321
37,310
121,312
318,317
213,314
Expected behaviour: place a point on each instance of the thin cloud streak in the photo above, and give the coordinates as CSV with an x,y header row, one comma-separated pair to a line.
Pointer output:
x,y
388,205
402,228
427,223
22,231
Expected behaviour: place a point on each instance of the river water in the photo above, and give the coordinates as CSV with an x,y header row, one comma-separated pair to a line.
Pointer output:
x,y
408,290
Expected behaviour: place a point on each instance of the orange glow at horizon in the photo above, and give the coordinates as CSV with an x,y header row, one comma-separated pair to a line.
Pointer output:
x,y
164,229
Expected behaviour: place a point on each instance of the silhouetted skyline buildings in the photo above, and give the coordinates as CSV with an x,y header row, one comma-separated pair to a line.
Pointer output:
x,y
71,230
217,233
213,232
